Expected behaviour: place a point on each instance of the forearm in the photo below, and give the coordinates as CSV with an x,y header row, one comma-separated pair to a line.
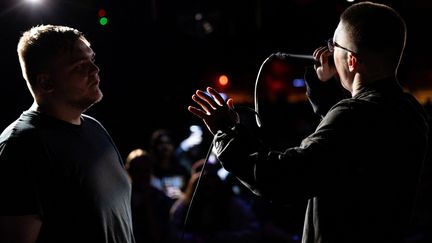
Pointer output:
x,y
293,175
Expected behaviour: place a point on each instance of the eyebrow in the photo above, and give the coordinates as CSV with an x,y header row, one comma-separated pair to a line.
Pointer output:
x,y
83,58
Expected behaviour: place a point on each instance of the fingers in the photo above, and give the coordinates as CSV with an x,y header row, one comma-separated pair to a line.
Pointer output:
x,y
217,97
208,102
206,98
202,100
216,114
318,52
230,103
197,112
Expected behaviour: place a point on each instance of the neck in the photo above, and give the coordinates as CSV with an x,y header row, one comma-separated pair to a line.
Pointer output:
x,y
60,113
361,80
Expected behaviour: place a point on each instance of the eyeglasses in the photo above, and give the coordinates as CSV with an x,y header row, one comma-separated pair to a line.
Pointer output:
x,y
332,44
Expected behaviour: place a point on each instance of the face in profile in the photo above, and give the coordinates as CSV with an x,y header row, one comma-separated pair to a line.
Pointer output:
x,y
75,77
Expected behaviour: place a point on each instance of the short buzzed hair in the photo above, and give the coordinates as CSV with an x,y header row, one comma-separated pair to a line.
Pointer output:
x,y
39,45
375,28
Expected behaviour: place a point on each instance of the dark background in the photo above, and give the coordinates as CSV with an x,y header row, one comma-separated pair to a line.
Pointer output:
x,y
153,54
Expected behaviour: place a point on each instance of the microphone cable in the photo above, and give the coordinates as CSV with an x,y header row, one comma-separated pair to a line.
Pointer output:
x,y
258,78
200,177
305,59
196,190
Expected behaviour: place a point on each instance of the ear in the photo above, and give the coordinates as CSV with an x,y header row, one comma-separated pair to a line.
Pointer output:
x,y
44,82
353,61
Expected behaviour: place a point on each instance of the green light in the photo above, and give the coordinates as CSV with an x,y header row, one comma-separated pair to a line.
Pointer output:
x,y
103,20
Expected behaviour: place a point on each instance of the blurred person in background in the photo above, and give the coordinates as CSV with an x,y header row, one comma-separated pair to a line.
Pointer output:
x,y
216,215
169,175
150,206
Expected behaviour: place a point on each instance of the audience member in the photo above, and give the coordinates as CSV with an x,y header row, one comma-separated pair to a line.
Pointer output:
x,y
215,214
150,206
169,175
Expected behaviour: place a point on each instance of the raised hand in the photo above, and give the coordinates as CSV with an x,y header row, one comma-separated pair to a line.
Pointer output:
x,y
214,111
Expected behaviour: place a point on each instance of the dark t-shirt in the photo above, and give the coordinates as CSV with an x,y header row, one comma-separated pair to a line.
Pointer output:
x,y
71,175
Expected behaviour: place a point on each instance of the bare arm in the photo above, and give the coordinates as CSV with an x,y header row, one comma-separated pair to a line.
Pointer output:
x,y
20,229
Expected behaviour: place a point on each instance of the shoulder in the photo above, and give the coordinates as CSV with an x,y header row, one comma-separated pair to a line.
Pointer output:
x,y
90,119
346,106
19,144
349,111
22,129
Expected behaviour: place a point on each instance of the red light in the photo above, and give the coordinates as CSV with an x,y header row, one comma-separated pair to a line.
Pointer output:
x,y
101,13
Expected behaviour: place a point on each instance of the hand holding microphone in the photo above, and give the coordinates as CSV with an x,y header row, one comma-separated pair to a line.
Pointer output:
x,y
327,69
321,60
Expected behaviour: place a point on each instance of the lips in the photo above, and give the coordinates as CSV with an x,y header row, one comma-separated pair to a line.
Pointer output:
x,y
95,82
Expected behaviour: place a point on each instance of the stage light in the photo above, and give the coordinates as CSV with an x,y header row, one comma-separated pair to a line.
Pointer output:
x,y
103,19
299,83
101,13
223,80
34,1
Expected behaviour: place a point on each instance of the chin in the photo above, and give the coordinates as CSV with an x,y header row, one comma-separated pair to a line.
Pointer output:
x,y
100,96
97,96
94,100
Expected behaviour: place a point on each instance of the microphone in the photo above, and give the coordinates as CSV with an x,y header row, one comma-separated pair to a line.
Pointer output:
x,y
296,58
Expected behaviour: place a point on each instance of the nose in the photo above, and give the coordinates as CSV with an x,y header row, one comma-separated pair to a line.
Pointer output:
x,y
94,69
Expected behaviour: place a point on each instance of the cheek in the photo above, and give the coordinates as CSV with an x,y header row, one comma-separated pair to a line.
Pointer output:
x,y
340,62
337,57
72,88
